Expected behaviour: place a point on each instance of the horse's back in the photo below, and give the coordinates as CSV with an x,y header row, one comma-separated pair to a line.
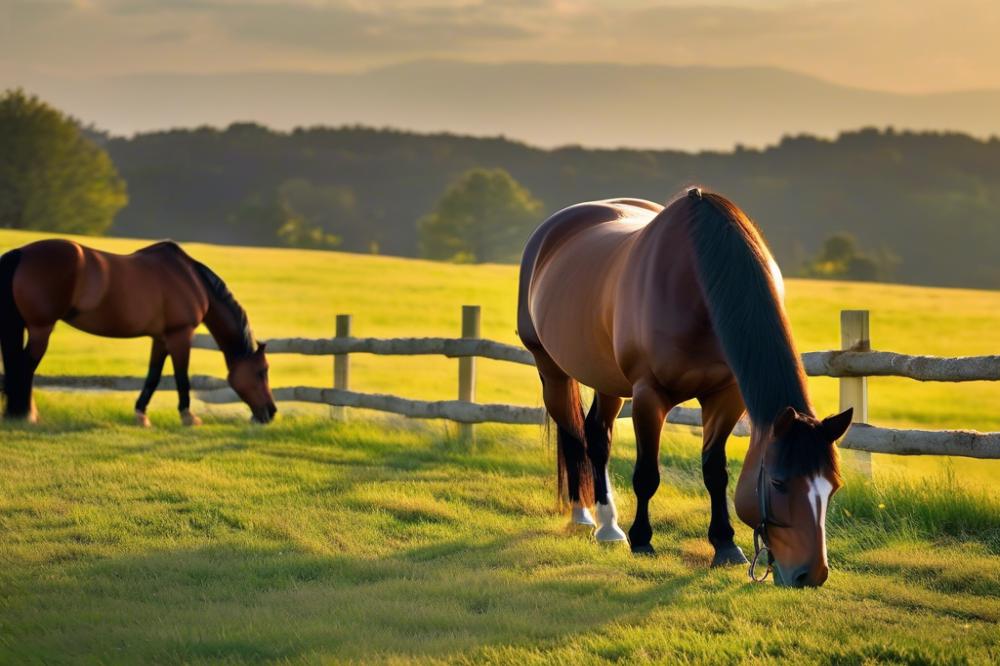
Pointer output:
x,y
566,295
555,230
105,293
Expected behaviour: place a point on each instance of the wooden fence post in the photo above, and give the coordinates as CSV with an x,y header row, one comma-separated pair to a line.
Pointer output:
x,y
341,366
467,369
854,336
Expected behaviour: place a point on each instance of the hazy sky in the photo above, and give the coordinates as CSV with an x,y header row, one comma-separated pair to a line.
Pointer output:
x,y
898,45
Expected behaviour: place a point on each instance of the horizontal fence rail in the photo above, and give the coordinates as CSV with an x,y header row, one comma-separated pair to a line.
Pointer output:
x,y
851,365
817,364
861,437
964,443
450,347
453,410
891,364
122,383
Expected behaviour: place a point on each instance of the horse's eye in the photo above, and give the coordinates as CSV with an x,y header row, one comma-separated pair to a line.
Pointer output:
x,y
780,485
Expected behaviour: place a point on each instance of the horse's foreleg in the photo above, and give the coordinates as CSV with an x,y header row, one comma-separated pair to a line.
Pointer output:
x,y
598,426
38,343
720,412
649,409
157,357
178,345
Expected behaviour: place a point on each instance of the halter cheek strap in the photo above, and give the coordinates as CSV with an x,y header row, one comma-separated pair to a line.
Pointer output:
x,y
761,545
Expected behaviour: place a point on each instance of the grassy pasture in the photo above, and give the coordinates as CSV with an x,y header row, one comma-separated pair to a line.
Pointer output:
x,y
312,541
379,540
298,293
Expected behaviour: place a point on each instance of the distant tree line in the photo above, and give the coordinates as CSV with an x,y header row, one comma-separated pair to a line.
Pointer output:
x,y
924,207
871,204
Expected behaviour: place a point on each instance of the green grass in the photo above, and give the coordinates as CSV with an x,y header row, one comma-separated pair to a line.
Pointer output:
x,y
311,541
298,293
382,539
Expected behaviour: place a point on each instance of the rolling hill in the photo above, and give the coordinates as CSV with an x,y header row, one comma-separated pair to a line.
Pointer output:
x,y
598,105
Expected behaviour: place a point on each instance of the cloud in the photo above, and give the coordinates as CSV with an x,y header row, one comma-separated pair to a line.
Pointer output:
x,y
903,45
343,29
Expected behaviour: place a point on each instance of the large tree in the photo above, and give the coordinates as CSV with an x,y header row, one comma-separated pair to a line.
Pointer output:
x,y
52,177
485,215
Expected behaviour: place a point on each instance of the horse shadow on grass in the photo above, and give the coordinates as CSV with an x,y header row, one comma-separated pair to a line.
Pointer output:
x,y
238,602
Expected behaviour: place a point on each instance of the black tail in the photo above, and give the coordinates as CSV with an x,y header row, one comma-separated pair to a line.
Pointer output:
x,y
15,360
574,476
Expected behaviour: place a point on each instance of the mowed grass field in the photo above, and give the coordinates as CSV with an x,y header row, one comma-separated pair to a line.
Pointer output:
x,y
381,539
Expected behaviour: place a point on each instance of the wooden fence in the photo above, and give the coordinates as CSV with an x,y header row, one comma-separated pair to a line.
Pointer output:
x,y
852,364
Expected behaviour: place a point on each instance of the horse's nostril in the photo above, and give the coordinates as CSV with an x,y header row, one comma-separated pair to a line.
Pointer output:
x,y
801,577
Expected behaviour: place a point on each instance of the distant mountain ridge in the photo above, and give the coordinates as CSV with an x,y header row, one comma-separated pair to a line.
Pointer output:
x,y
594,105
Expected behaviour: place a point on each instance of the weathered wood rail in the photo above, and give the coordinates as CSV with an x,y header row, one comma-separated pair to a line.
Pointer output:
x,y
817,364
852,365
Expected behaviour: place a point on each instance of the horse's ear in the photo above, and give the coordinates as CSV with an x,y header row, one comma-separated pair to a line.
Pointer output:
x,y
784,421
834,427
261,346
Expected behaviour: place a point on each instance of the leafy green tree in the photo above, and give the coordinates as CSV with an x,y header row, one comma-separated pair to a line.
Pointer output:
x,y
840,259
53,177
328,214
485,215
277,219
297,231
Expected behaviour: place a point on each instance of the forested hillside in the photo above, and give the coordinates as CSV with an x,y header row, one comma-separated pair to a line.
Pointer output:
x,y
932,200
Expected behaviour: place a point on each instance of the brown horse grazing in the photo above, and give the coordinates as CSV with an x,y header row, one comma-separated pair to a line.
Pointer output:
x,y
666,305
158,291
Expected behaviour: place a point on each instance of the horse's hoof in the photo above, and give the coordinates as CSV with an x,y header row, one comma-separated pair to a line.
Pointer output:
x,y
644,549
610,533
581,516
729,556
31,417
142,420
189,419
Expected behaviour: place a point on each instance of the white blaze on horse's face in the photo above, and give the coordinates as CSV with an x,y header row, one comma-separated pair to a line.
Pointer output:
x,y
820,490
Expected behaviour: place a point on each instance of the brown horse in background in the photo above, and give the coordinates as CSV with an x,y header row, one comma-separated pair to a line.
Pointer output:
x,y
665,305
158,291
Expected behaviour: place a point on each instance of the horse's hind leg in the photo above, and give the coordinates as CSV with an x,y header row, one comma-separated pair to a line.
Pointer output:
x,y
598,426
561,395
157,357
720,412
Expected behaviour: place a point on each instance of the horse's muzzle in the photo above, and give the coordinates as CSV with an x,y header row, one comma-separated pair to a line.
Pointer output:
x,y
803,576
265,414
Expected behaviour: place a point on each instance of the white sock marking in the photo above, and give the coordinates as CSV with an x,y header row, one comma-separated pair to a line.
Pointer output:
x,y
607,517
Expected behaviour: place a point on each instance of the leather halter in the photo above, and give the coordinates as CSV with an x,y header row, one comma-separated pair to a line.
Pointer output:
x,y
761,543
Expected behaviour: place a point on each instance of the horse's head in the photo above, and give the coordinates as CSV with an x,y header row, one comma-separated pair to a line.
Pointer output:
x,y
783,494
248,377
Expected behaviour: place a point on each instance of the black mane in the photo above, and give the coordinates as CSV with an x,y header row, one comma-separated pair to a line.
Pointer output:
x,y
243,344
733,266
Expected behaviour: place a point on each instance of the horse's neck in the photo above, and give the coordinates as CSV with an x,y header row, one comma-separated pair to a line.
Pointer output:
x,y
226,331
